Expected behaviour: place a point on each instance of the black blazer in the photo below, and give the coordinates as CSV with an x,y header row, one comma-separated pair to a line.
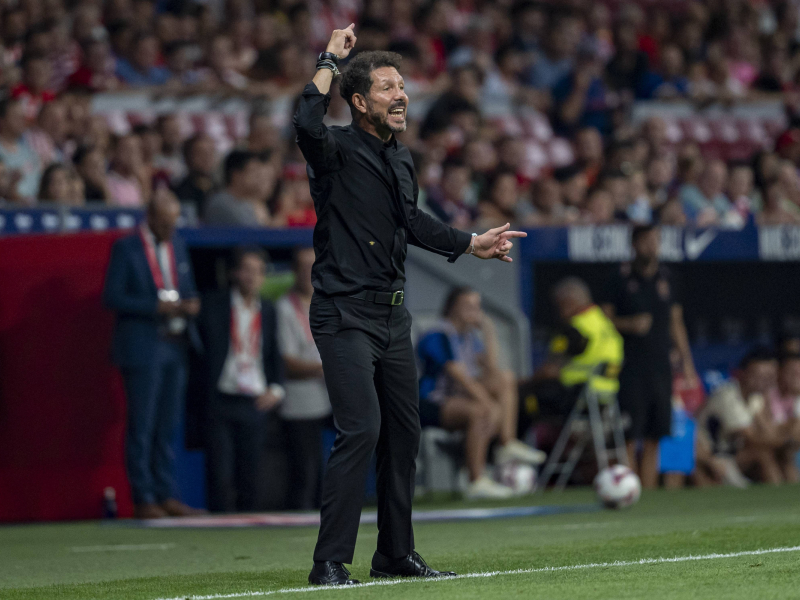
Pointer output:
x,y
215,330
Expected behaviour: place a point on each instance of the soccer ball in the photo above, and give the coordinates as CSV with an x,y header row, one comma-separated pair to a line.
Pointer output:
x,y
518,476
617,487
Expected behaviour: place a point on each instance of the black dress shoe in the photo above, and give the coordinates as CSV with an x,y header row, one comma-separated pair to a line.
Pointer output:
x,y
409,566
329,572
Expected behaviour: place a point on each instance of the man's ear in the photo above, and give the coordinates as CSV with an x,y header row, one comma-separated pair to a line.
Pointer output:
x,y
360,103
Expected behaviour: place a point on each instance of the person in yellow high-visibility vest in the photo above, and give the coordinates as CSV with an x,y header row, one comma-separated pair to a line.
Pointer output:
x,y
587,348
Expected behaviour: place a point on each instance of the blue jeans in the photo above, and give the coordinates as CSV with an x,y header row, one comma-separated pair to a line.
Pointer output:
x,y
155,395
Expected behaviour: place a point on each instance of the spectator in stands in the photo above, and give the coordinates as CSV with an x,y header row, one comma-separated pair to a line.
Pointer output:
x,y
169,156
599,209
669,81
220,73
581,98
584,341
671,213
142,69
790,182
558,59
245,376
740,189
91,167
150,287
263,136
589,153
34,90
235,205
97,72
50,136
574,186
739,420
451,201
503,203
463,388
705,203
21,162
128,179
774,210
200,155
548,209
628,67
643,302
306,408
57,186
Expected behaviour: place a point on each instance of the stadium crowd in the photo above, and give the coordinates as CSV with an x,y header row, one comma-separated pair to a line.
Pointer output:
x,y
520,111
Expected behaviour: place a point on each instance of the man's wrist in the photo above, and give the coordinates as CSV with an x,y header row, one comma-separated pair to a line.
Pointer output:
x,y
328,55
471,249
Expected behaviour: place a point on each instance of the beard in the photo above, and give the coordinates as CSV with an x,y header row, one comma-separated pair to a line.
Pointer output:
x,y
380,120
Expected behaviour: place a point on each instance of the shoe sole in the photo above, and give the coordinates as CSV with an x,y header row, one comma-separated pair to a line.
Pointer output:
x,y
382,575
350,582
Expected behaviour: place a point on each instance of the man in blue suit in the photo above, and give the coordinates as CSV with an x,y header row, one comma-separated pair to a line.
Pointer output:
x,y
151,288
244,374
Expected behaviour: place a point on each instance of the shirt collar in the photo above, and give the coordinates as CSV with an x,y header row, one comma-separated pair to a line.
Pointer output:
x,y
151,237
238,301
374,142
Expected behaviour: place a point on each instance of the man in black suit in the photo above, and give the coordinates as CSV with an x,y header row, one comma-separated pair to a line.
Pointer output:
x,y
244,371
365,191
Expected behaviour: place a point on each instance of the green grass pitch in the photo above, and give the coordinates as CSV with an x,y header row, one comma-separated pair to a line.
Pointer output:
x,y
76,561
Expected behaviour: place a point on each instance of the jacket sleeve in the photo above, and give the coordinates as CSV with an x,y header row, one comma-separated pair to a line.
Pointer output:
x,y
273,363
190,287
318,145
431,234
115,292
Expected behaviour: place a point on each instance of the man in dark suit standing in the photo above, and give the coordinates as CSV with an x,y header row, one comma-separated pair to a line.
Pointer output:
x,y
150,286
365,194
244,370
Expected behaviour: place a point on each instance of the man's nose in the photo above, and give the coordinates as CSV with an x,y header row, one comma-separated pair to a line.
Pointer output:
x,y
401,96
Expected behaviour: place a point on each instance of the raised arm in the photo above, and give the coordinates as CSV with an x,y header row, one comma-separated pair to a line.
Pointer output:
x,y
317,144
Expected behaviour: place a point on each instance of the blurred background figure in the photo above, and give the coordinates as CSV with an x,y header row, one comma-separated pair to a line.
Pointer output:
x,y
739,420
305,410
584,342
244,377
643,302
151,289
463,388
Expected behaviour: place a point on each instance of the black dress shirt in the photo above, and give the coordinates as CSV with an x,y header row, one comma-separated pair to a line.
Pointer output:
x,y
365,194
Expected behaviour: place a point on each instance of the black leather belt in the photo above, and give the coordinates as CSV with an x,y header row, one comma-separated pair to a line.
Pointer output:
x,y
390,298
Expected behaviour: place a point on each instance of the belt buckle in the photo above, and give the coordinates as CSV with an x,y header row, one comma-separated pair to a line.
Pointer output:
x,y
395,300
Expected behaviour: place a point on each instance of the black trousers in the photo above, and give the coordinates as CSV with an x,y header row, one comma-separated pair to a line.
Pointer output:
x,y
371,375
304,446
235,433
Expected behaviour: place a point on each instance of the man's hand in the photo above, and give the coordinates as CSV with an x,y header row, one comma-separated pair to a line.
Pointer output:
x,y
640,324
169,308
266,401
342,41
496,243
190,307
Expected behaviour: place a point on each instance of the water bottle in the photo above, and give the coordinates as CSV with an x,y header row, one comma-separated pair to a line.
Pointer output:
x,y
109,503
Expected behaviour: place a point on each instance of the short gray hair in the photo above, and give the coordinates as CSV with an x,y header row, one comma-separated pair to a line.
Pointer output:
x,y
574,288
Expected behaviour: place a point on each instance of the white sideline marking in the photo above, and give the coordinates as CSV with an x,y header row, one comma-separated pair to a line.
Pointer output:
x,y
122,547
383,582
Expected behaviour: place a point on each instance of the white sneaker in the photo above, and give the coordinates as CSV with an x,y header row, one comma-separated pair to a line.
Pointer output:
x,y
733,476
484,488
519,452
